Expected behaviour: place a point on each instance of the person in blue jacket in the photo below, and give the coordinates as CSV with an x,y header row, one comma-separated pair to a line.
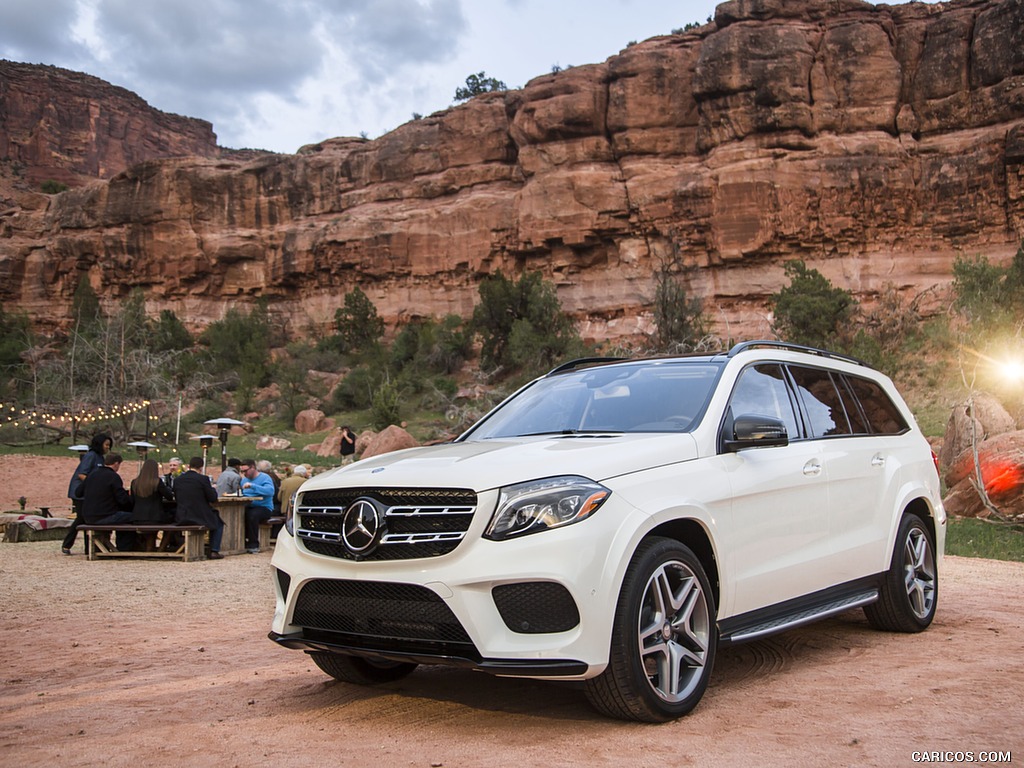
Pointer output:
x,y
256,483
91,460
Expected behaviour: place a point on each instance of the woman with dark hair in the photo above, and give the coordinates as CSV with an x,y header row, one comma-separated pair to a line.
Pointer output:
x,y
148,494
91,459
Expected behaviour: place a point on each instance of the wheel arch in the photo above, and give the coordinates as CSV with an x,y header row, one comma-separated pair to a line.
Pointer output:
x,y
923,510
692,534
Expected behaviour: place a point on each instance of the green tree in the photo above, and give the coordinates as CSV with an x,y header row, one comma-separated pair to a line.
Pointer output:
x,y
292,376
810,310
359,326
239,348
987,295
16,341
477,84
679,318
522,323
85,306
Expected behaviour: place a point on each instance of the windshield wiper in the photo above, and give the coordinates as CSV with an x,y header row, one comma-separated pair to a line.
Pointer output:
x,y
573,432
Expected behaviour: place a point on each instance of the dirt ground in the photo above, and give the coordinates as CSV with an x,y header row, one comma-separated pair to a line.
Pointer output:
x,y
162,663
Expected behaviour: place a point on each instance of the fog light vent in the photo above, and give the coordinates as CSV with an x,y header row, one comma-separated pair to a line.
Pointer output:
x,y
536,607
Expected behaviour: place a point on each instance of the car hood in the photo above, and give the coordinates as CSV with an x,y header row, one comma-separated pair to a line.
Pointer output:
x,y
486,464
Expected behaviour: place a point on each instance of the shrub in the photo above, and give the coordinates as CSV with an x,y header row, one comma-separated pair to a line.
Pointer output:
x,y
521,323
678,317
477,84
359,326
385,406
810,310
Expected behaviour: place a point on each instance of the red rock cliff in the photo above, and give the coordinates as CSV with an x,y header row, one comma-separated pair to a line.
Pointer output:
x,y
877,143
64,125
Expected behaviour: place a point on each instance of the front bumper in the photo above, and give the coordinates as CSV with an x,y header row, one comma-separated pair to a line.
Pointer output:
x,y
454,601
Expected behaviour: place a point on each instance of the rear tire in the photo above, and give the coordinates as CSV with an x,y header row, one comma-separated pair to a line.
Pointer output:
x,y
910,593
360,671
664,637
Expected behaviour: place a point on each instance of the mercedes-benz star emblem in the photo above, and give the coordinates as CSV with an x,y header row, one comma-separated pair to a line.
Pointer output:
x,y
360,526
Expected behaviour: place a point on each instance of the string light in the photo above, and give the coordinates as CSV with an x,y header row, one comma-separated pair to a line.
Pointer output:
x,y
11,414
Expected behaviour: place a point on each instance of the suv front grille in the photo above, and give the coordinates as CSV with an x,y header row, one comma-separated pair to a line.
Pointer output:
x,y
418,523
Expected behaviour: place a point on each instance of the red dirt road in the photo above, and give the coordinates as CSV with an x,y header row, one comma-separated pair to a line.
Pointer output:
x,y
160,663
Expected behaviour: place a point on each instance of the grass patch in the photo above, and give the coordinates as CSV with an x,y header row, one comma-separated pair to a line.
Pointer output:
x,y
967,537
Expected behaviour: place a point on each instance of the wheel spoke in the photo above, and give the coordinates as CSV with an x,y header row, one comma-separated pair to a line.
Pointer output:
x,y
919,573
675,631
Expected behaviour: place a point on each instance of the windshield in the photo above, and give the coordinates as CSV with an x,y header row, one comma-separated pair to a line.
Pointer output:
x,y
631,397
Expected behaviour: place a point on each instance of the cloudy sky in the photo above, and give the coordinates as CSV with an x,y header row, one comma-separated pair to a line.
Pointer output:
x,y
277,74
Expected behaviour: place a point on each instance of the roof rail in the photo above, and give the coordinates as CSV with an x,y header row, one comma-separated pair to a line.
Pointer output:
x,y
743,346
583,361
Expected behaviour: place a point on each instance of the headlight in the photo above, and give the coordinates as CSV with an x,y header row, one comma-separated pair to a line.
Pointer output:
x,y
540,505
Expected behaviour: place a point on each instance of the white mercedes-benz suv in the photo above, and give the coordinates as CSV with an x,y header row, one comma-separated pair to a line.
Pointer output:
x,y
614,522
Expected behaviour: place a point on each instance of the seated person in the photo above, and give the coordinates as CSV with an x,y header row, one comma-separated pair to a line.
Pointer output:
x,y
230,479
256,483
195,496
106,502
148,495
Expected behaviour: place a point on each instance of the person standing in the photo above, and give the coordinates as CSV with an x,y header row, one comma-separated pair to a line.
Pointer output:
x,y
348,446
256,483
195,495
91,460
230,480
106,502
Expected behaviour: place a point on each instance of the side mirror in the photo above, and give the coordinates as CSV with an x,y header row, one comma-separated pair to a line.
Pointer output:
x,y
753,431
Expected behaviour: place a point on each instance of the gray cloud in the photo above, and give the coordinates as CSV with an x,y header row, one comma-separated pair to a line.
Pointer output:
x,y
214,58
39,32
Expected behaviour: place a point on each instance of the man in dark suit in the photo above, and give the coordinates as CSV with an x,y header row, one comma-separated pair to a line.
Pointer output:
x,y
106,502
194,495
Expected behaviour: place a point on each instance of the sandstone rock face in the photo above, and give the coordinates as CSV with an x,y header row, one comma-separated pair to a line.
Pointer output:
x,y
65,125
876,143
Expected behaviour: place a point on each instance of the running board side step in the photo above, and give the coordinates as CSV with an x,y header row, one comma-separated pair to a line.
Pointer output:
x,y
790,620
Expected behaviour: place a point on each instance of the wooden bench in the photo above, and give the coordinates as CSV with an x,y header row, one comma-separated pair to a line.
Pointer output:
x,y
266,531
192,546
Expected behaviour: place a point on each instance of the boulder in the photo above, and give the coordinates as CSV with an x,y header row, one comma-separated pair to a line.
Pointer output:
x,y
393,438
979,419
331,446
268,443
1001,459
363,440
309,421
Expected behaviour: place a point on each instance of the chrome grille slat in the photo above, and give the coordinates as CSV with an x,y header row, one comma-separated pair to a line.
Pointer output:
x,y
419,522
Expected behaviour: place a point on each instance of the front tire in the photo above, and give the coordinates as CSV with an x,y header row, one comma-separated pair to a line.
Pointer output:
x,y
360,671
664,637
910,593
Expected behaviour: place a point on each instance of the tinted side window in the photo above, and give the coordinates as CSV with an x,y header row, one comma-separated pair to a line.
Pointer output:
x,y
858,424
821,401
882,414
761,390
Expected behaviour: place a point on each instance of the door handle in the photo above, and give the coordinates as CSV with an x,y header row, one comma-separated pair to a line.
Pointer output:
x,y
878,460
812,468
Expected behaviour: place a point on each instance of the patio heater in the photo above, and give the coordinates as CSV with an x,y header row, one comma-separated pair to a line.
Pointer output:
x,y
224,424
205,441
142,448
